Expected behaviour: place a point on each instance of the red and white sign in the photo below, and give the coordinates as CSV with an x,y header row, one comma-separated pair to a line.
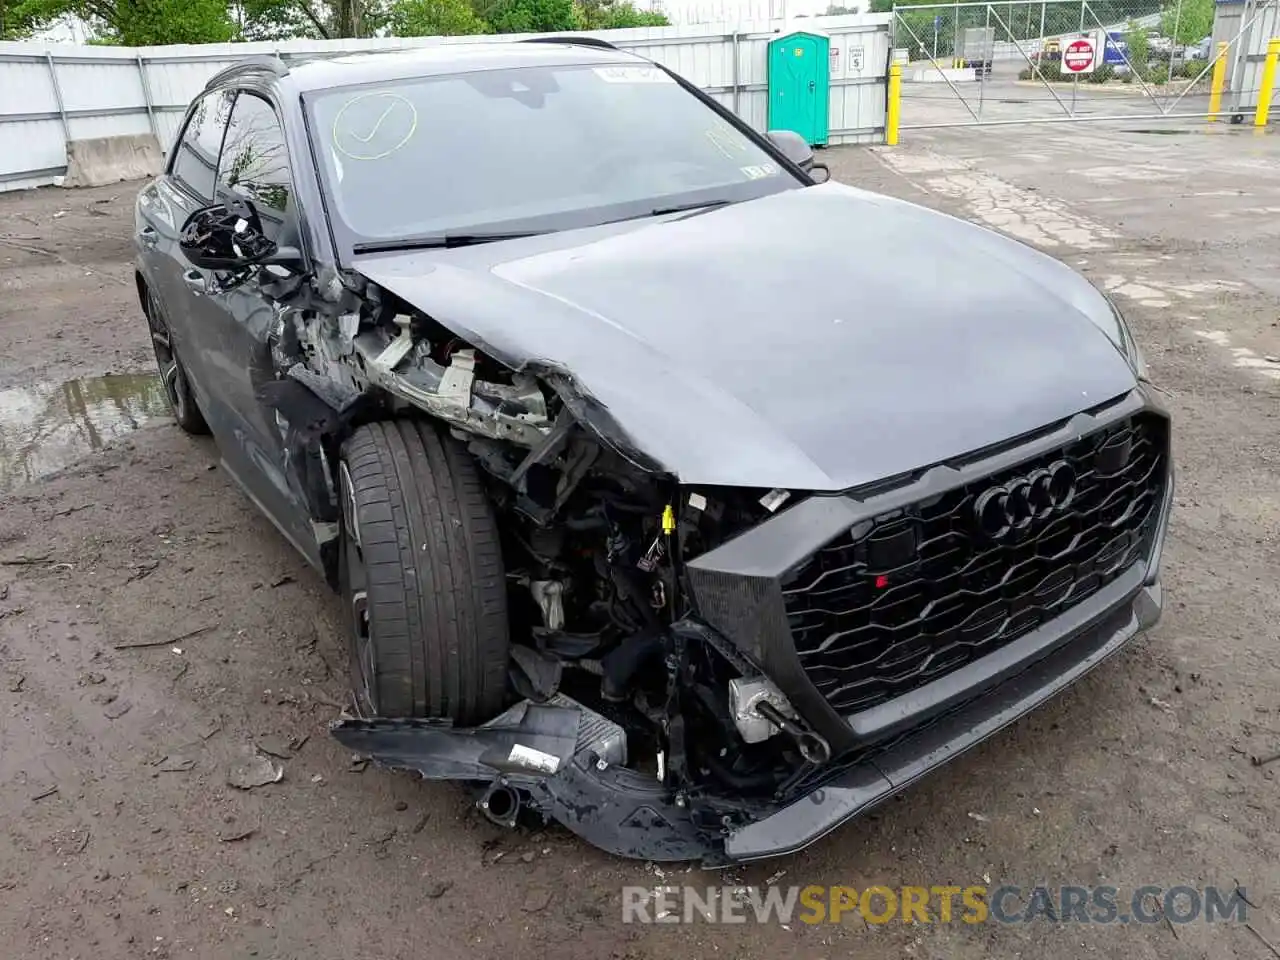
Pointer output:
x,y
1079,56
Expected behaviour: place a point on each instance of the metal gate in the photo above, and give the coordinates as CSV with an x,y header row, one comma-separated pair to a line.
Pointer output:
x,y
1016,61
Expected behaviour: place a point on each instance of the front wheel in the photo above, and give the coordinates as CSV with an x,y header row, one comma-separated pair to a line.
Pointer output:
x,y
421,576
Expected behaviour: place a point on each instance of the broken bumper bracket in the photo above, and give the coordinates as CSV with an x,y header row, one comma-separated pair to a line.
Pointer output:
x,y
537,748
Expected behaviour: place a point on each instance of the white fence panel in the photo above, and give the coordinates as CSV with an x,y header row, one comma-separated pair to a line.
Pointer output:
x,y
32,136
857,106
111,91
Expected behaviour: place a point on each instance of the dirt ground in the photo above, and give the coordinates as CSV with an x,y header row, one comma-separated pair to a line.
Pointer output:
x,y
154,629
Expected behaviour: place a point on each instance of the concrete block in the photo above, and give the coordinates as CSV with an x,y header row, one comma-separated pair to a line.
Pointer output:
x,y
931,74
101,160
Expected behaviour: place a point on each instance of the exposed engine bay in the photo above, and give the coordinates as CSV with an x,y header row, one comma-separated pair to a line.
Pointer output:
x,y
605,669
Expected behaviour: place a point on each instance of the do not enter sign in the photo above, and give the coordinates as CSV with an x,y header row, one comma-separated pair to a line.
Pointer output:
x,y
1079,56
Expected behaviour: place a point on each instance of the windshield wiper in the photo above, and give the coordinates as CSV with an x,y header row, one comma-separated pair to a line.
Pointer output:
x,y
683,207
441,241
696,206
450,240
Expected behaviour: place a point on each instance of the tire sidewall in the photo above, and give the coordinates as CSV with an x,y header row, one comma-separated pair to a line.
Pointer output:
x,y
431,640
361,684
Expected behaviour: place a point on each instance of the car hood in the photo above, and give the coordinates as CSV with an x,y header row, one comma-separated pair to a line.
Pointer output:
x,y
815,339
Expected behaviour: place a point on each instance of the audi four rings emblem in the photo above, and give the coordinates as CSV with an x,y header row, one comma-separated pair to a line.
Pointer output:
x,y
999,511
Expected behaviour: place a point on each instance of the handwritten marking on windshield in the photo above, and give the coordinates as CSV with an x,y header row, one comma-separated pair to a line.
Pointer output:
x,y
398,112
724,140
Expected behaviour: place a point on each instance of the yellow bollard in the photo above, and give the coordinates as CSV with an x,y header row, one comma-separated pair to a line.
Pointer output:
x,y
893,108
1219,81
1268,83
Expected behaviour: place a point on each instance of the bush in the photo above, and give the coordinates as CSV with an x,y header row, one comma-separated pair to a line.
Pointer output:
x,y
1102,73
1149,72
1191,68
1052,70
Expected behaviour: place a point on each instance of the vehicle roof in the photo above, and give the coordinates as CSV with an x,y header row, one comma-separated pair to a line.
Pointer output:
x,y
444,59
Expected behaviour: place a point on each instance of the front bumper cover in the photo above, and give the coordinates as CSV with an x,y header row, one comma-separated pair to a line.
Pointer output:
x,y
631,815
912,756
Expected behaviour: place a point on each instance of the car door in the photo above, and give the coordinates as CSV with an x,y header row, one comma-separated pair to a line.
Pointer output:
x,y
221,335
238,322
163,208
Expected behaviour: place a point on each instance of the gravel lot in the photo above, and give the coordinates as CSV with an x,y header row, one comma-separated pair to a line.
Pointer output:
x,y
121,838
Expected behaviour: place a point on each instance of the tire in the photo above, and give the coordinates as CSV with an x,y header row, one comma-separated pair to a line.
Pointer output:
x,y
421,576
173,375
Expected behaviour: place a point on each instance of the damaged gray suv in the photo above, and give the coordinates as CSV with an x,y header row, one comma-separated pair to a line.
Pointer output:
x,y
671,493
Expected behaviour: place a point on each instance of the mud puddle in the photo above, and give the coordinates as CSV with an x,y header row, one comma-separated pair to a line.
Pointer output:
x,y
48,426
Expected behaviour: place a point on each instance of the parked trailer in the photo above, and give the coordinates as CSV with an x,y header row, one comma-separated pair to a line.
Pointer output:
x,y
977,46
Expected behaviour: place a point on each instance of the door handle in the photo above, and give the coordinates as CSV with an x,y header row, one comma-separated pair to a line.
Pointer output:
x,y
813,86
148,237
195,282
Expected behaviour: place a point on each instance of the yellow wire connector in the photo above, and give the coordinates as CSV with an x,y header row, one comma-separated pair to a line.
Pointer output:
x,y
668,520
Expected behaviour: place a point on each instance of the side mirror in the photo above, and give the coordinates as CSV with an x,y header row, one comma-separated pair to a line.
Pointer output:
x,y
796,149
226,236
793,146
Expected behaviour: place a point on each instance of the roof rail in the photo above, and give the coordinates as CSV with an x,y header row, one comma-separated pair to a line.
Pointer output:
x,y
577,41
268,62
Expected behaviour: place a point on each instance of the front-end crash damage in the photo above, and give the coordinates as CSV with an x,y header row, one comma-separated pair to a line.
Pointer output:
x,y
704,669
633,724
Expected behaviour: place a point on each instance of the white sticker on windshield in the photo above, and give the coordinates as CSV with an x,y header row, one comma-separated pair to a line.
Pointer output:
x,y
759,171
640,73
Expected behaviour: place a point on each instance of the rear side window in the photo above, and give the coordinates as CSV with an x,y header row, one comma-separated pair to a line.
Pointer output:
x,y
255,165
195,160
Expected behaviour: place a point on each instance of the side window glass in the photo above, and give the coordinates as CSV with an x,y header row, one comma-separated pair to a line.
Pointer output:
x,y
255,164
195,159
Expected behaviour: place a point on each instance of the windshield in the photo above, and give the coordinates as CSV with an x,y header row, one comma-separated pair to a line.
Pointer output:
x,y
526,149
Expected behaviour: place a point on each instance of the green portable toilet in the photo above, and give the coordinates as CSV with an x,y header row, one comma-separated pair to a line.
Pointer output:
x,y
800,85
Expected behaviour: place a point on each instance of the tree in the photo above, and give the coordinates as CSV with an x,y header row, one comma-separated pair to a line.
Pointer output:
x,y
435,18
1187,21
318,19
531,16
282,20
835,10
617,15
130,23
147,22
1139,52
15,20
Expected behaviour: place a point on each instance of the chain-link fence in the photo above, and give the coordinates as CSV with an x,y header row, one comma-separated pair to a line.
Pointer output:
x,y
1051,60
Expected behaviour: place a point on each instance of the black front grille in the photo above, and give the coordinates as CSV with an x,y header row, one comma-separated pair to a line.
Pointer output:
x,y
911,595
